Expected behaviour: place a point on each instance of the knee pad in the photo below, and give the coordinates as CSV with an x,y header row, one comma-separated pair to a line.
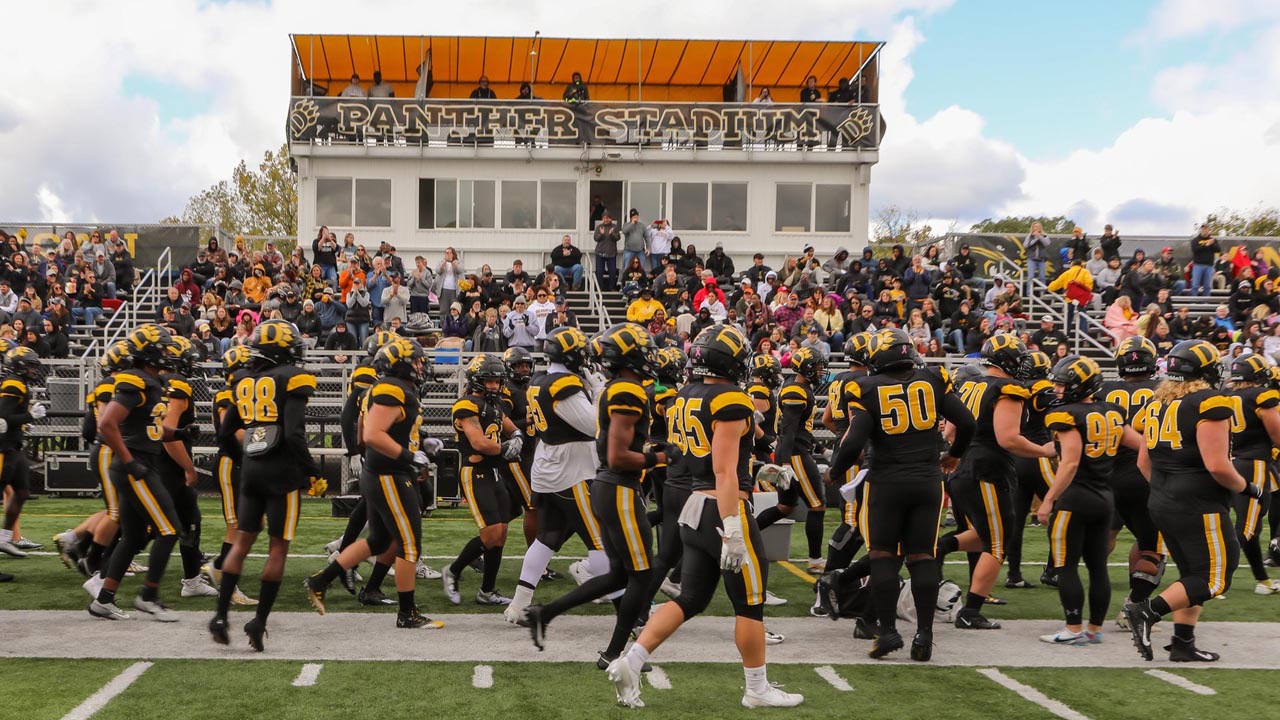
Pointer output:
x,y
189,536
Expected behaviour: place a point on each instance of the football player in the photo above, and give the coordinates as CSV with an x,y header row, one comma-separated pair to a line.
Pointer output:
x,y
1136,364
562,419
1078,505
227,463
898,408
1033,474
481,426
515,405
269,415
711,425
983,483
626,353
795,450
1188,460
22,368
1255,432
670,485
132,425
846,540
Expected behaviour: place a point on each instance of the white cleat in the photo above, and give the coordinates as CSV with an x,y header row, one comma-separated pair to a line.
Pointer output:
x,y
1267,587
156,609
8,548
107,611
773,638
773,697
198,586
135,568
514,612
451,587
816,566
332,546
93,585
626,683
772,600
579,572
425,572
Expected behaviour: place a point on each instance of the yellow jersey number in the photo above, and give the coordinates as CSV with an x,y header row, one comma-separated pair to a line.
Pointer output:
x,y
537,418
685,429
256,400
155,431
907,407
1103,432
971,395
1129,400
1164,430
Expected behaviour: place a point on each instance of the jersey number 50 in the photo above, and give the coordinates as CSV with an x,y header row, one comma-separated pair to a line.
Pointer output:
x,y
917,410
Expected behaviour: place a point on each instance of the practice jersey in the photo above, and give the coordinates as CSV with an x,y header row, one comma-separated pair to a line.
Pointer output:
x,y
362,378
1179,480
98,397
904,409
144,397
405,430
1101,428
489,416
544,423
795,400
178,387
691,423
1131,398
15,402
1041,396
622,397
759,391
981,397
839,397
1249,437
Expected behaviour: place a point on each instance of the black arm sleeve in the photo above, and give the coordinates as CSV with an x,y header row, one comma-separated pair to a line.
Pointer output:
x,y
957,414
228,427
350,422
88,428
9,411
850,447
791,421
294,426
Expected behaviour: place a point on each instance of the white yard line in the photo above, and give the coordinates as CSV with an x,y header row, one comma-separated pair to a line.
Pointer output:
x,y
482,677
1182,682
828,673
658,679
1031,694
307,676
99,700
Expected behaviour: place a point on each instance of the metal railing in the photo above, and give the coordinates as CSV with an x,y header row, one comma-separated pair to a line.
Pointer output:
x,y
594,300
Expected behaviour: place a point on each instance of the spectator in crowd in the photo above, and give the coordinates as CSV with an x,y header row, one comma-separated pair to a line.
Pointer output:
x,y
843,94
1171,271
597,211
1096,263
1077,247
359,310
445,283
1148,321
567,260
1109,242
1204,249
521,327
964,263
517,272
256,286
420,281
348,277
122,261
997,289
390,260
376,282
814,340
917,281
561,317
188,290
1077,287
962,321
830,321
976,336
324,250
756,273
606,237
29,316
454,324
576,91
660,238
635,242
308,321
720,265
315,282
395,299
8,299
342,339
643,308
634,278
275,258
56,338
88,299
1048,337
354,89
836,267
1120,320
763,97
1036,247
482,91
810,92
330,310
489,335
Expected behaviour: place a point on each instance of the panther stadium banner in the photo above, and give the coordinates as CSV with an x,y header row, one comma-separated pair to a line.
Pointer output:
x,y
578,124
145,242
989,250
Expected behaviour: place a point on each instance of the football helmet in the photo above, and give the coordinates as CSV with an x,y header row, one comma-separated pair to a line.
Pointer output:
x,y
625,346
1035,366
186,358
808,364
235,359
767,369
567,346
278,342
148,345
672,363
1004,352
890,349
1251,369
116,358
516,356
857,348
377,341
1194,360
485,367
1079,376
22,362
1136,355
403,358
721,351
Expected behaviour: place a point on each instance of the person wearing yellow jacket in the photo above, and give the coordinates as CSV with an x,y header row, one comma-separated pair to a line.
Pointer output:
x,y
641,310
257,285
1076,283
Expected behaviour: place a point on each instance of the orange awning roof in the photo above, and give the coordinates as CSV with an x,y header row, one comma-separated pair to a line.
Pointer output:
x,y
614,69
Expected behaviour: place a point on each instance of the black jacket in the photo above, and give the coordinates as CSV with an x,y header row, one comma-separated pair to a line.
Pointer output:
x,y
1204,251
1110,245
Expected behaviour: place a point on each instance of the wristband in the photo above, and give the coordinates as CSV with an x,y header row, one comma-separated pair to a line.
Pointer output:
x,y
650,459
405,457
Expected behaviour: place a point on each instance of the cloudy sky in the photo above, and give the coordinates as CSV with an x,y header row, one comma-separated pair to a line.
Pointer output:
x,y
1144,113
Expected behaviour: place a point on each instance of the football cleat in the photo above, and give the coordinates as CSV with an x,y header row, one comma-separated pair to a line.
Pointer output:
x,y
156,609
863,630
414,619
773,638
25,544
922,647
315,592
889,641
107,611
451,587
772,600
968,619
1267,587
347,577
579,572
135,568
1049,577
425,572
773,697
5,577
374,598
1017,583
198,586
67,549
239,598
1187,651
93,585
218,629
9,548
626,683
993,600
332,547
550,575
1065,637
537,626
213,573
1141,618
828,601
817,566
256,630
602,663
493,597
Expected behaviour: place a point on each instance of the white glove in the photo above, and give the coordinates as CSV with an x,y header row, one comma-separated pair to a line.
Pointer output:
x,y
420,459
512,447
734,550
355,464
38,411
432,446
4,426
759,417
849,491
786,476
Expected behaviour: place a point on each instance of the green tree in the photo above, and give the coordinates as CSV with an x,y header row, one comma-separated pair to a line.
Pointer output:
x,y
253,202
1258,222
894,224
1022,225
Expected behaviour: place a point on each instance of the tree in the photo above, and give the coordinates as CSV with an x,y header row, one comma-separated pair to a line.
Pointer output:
x,y
1259,222
1022,225
894,224
252,202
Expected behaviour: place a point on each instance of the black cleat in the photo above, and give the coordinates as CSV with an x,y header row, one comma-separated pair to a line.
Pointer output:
x,y
256,630
863,630
537,626
414,619
922,647
1187,651
5,577
550,575
1017,582
1049,577
315,592
888,642
1141,618
993,600
968,619
218,629
374,598
828,598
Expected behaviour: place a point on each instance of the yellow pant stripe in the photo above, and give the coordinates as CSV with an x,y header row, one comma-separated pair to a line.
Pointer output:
x,y
1161,548
992,506
751,577
626,504
806,486
468,476
1254,512
582,498
850,507
1058,537
108,488
1046,471
291,506
864,517
409,547
140,489
942,509
522,482
1217,554
226,483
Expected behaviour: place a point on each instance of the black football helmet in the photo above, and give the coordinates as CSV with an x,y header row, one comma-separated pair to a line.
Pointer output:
x,y
1136,355
568,347
235,359
377,341
402,358
514,357
721,351
116,358
808,364
857,348
890,349
767,369
1194,360
1079,376
1035,366
965,373
186,358
672,363
1251,369
23,362
625,346
148,345
485,367
278,342
1004,352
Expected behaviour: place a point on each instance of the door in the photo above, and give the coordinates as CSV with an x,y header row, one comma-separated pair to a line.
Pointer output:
x,y
609,193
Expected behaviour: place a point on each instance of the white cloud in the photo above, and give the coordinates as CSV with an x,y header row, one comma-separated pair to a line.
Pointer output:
x,y
1185,18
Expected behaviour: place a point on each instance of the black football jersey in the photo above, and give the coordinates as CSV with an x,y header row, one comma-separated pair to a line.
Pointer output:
x,y
405,431
515,405
839,397
796,400
904,410
178,387
679,475
691,421
97,398
621,397
759,391
489,416
362,378
660,396
1101,428
223,402
274,397
15,402
1249,438
1179,480
981,396
544,392
1131,398
144,397
1041,397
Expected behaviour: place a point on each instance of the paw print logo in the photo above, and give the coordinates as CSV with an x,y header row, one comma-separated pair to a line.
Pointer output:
x,y
303,117
857,126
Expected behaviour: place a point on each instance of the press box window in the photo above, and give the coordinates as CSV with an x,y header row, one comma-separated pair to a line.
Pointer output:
x,y
448,204
343,202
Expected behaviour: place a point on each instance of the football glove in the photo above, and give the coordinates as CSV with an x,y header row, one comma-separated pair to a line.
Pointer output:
x,y
512,447
432,446
39,411
420,461
318,487
733,552
759,417
355,464
1253,491
4,426
190,432
136,469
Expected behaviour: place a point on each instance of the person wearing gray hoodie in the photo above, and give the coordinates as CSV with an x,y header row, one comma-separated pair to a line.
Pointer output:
x,y
836,267
521,327
634,241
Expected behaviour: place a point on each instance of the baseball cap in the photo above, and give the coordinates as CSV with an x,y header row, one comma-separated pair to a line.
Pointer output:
x,y
1166,249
